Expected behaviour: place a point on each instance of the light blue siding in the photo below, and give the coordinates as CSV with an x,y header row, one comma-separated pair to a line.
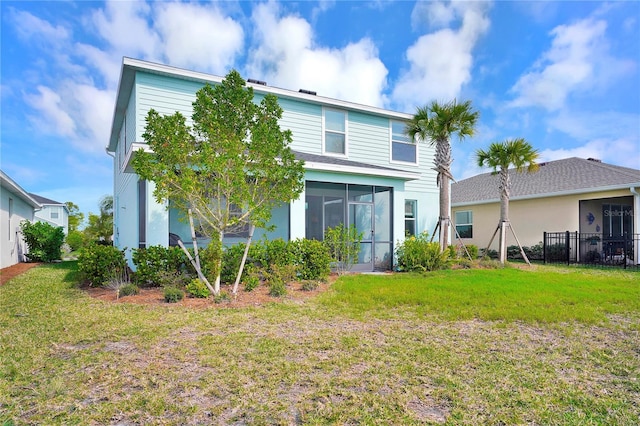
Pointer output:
x,y
305,122
368,142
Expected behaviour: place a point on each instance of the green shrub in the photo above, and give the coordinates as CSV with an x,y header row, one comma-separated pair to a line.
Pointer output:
x,y
277,287
343,244
43,240
231,258
251,280
75,240
312,259
416,253
223,297
173,294
152,262
197,288
98,263
488,254
129,290
473,251
309,285
210,259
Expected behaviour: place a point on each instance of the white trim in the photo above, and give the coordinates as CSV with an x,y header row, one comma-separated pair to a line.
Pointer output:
x,y
126,166
400,162
325,167
12,186
550,194
131,66
346,133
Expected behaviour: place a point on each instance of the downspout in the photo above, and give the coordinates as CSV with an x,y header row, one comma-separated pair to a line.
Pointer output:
x,y
636,224
116,215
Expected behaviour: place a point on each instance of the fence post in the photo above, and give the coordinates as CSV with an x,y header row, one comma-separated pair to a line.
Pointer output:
x,y
625,250
567,247
544,247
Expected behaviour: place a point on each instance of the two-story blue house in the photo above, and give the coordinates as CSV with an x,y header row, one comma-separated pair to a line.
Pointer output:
x,y
360,167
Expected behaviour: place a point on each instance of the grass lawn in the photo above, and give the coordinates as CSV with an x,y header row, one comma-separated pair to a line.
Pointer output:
x,y
511,346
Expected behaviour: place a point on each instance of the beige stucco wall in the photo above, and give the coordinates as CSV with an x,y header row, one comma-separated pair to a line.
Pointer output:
x,y
531,218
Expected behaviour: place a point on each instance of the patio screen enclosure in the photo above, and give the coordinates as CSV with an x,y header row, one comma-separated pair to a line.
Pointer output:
x,y
367,207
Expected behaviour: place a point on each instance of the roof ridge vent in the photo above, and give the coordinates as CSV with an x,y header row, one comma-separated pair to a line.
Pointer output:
x,y
595,160
254,81
308,92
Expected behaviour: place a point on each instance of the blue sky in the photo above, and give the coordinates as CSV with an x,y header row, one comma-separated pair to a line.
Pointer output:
x,y
564,75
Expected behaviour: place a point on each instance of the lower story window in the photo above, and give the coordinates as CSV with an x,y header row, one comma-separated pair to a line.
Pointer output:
x,y
464,224
410,213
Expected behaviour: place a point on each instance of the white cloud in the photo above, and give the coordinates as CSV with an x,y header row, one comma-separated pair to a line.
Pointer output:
x,y
126,27
625,153
33,29
196,36
440,62
53,116
568,66
284,55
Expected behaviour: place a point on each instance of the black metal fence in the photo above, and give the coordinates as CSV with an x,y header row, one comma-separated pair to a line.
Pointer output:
x,y
591,249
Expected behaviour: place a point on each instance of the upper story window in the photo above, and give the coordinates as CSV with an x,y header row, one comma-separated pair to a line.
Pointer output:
x,y
464,223
54,215
402,149
335,131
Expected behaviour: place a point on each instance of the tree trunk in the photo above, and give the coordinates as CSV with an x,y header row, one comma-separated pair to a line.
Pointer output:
x,y
244,258
504,212
444,212
196,267
216,285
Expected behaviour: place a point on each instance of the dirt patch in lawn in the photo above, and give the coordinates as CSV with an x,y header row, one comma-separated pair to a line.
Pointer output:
x,y
257,297
14,270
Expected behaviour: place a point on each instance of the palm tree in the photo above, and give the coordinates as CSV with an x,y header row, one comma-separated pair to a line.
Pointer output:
x,y
500,156
435,123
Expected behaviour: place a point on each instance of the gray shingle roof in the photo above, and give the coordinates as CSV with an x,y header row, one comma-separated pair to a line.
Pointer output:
x,y
43,200
560,176
325,159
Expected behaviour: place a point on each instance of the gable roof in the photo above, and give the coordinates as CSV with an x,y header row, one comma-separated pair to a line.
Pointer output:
x,y
11,185
131,66
43,200
560,177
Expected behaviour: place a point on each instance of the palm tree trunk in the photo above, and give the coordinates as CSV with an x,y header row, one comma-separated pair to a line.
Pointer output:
x,y
442,162
504,212
444,212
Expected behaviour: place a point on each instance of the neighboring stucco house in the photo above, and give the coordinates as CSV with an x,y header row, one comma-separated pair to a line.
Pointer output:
x,y
16,205
572,194
360,167
53,212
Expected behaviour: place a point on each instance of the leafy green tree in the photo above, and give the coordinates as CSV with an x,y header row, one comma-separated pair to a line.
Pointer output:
x,y
76,217
500,156
435,124
43,240
100,226
227,171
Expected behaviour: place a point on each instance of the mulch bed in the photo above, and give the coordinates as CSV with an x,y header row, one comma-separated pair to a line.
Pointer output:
x,y
257,297
14,270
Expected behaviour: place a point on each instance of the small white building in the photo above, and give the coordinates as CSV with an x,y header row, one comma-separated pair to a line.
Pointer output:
x,y
16,205
52,212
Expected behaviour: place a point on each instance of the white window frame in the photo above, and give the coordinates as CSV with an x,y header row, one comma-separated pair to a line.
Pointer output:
x,y
414,218
346,133
392,141
470,212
